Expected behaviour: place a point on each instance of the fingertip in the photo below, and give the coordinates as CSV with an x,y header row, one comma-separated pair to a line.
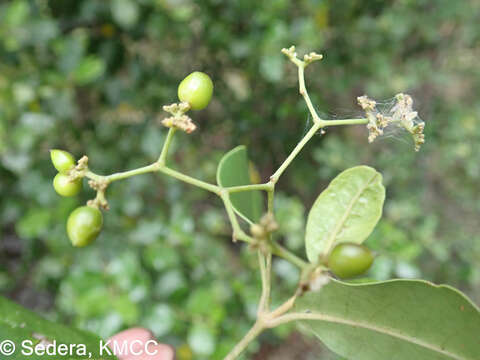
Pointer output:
x,y
161,352
137,333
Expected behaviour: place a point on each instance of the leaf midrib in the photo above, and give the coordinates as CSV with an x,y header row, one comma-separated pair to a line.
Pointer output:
x,y
381,330
340,224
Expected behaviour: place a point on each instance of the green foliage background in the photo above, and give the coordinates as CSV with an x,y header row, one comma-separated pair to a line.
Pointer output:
x,y
91,77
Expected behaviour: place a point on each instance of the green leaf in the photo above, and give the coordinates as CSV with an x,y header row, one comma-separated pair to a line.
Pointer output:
x,y
89,69
233,170
346,211
18,325
396,319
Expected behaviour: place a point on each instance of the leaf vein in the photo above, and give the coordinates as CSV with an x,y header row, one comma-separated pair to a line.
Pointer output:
x,y
381,330
343,219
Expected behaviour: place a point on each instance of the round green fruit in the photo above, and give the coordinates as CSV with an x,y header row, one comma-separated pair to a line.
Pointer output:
x,y
66,187
196,89
62,160
348,260
83,225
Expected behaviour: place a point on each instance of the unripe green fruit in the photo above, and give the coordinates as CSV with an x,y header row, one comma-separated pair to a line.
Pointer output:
x,y
65,187
83,225
348,260
196,89
62,160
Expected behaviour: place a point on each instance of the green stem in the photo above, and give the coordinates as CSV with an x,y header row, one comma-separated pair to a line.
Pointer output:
x,y
282,252
166,145
345,122
189,180
271,196
233,189
121,175
247,339
126,174
268,261
303,91
265,269
313,130
153,168
238,233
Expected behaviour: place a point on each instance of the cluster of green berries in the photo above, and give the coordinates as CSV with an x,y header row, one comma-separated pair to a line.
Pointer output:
x,y
85,222
347,260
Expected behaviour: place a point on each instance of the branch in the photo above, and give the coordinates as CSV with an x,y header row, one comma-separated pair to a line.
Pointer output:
x,y
238,233
345,122
302,64
282,252
247,339
313,130
166,145
265,262
189,180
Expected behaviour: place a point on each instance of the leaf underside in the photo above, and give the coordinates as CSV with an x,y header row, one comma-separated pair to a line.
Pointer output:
x,y
233,170
18,324
394,320
346,211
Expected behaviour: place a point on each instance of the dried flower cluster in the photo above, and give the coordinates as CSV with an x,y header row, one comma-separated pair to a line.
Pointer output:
x,y
401,114
178,119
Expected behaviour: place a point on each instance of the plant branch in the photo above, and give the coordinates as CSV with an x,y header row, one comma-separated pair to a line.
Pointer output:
x,y
313,130
240,188
188,179
238,233
122,175
282,252
270,198
265,262
256,330
269,279
282,309
303,91
166,145
264,320
345,122
265,317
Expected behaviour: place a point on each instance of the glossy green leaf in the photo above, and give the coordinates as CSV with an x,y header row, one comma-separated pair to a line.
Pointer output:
x,y
27,329
395,320
347,210
233,170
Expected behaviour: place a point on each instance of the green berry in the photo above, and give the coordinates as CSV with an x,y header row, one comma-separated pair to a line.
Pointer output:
x,y
83,225
348,260
66,187
62,160
196,89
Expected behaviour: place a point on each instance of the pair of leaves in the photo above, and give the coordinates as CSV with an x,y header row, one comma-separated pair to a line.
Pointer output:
x,y
18,325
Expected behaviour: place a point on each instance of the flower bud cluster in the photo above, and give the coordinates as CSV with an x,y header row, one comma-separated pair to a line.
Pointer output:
x,y
307,58
178,119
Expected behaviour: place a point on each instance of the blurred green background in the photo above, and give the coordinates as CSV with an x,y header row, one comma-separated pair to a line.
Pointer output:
x,y
91,77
